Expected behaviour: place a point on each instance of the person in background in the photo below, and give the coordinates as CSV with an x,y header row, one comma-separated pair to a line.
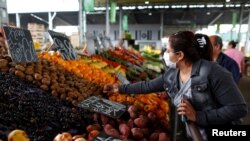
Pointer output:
x,y
211,95
224,60
236,55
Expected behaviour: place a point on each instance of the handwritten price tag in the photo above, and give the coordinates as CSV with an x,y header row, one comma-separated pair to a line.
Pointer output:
x,y
63,45
20,45
104,106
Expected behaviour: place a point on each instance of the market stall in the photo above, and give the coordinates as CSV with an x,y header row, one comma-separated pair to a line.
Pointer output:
x,y
43,94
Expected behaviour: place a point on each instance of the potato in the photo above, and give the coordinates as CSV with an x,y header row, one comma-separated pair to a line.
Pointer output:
x,y
62,96
5,69
94,133
151,116
20,67
44,87
93,127
131,123
3,63
124,129
78,137
154,137
141,122
29,78
12,70
109,130
137,133
69,99
163,137
66,136
61,90
133,111
74,102
29,71
37,76
19,74
45,81
54,87
54,93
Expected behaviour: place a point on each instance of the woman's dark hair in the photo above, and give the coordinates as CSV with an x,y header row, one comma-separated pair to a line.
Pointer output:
x,y
185,41
233,43
204,46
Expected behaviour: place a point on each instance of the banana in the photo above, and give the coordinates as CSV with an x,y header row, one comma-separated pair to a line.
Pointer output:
x,y
18,135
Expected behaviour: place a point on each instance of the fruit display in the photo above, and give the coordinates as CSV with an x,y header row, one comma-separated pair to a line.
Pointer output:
x,y
109,62
134,125
38,100
153,59
147,103
106,65
42,116
81,69
53,78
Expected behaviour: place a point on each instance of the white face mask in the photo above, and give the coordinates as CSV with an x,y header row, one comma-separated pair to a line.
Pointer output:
x,y
167,60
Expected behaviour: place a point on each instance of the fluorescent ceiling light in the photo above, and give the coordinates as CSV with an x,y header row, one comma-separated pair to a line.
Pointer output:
x,y
227,0
146,2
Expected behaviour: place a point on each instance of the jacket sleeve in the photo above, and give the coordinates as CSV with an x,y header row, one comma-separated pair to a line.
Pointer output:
x,y
155,85
231,104
234,68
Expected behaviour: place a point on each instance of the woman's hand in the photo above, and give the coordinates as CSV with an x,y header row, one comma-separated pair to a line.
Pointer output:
x,y
110,89
185,108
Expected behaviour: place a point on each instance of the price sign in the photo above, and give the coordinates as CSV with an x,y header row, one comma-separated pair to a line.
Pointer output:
x,y
63,45
20,45
104,106
122,78
104,137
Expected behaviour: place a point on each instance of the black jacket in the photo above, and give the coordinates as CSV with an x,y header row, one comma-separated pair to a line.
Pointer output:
x,y
215,96
231,65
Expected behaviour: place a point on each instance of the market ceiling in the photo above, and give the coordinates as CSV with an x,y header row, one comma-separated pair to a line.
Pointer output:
x,y
152,2
178,16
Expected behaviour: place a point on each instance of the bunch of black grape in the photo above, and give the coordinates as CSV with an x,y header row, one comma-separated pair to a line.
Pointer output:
x,y
24,106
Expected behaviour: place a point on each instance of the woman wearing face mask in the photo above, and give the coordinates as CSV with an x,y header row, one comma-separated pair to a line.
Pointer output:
x,y
211,96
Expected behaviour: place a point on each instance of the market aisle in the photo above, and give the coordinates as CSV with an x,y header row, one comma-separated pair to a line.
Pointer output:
x,y
244,86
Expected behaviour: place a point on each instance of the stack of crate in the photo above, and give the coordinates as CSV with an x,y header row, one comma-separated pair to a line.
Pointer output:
x,y
38,33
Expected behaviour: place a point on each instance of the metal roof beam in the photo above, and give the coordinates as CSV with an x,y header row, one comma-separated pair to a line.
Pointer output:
x,y
216,18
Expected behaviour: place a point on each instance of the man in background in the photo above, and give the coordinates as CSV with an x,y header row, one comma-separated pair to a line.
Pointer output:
x,y
224,60
236,55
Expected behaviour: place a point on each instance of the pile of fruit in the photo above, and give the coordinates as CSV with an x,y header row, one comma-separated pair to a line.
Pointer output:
x,y
80,68
104,64
26,107
53,78
135,125
153,59
147,103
